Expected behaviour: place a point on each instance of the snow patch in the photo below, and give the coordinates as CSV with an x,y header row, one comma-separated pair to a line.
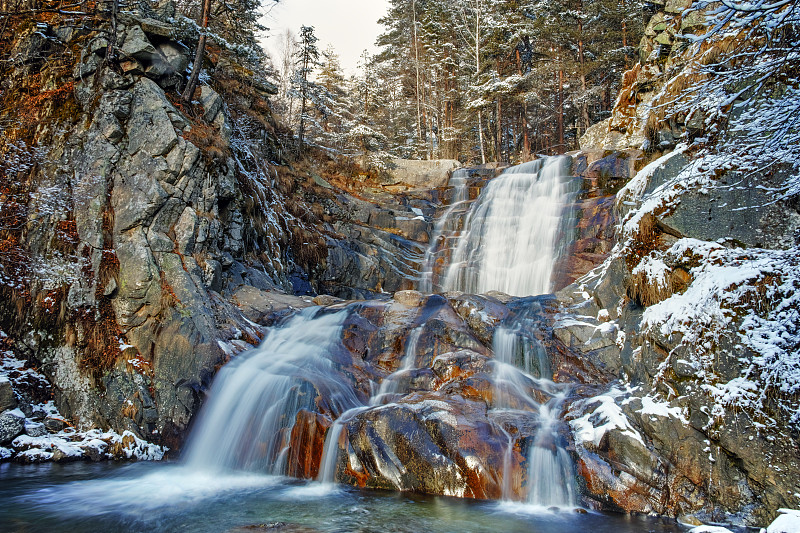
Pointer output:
x,y
606,417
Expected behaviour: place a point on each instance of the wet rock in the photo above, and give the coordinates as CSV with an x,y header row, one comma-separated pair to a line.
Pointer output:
x,y
425,443
481,313
306,444
12,424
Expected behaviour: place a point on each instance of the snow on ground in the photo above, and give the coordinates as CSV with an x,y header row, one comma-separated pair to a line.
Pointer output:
x,y
710,529
37,444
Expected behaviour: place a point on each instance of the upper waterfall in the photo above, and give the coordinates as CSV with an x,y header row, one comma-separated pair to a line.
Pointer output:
x,y
510,239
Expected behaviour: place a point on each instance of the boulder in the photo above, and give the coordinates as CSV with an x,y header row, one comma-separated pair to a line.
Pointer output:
x,y
137,46
427,442
12,424
7,398
35,429
421,173
54,425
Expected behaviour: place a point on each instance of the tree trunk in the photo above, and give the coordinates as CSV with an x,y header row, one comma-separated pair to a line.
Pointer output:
x,y
416,67
191,85
499,128
303,94
584,99
560,147
477,73
526,144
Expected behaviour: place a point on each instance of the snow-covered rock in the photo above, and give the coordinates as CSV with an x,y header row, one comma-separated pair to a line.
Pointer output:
x,y
787,522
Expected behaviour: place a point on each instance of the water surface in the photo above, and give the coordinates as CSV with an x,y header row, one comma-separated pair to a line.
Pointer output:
x,y
170,497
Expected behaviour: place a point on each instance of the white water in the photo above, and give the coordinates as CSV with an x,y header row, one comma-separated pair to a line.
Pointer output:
x,y
550,479
459,181
254,399
391,383
509,242
330,451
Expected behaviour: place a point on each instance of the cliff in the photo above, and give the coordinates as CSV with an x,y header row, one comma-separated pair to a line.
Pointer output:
x,y
701,286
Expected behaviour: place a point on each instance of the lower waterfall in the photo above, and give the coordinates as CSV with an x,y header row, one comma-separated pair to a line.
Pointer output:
x,y
550,476
255,398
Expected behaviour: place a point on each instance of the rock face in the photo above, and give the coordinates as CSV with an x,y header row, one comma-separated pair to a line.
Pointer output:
x,y
676,433
379,246
141,230
422,174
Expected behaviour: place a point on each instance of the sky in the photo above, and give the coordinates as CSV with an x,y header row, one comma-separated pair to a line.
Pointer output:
x,y
349,25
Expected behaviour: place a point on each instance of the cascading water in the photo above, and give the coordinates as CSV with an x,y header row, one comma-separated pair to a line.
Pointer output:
x,y
551,481
459,181
391,383
510,237
330,452
550,473
255,398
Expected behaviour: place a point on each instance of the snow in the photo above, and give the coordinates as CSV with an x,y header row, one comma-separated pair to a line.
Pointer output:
x,y
69,442
633,191
607,416
755,288
654,407
787,522
655,270
710,529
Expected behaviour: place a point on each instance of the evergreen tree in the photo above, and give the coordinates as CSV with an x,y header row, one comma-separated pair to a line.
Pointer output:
x,y
306,60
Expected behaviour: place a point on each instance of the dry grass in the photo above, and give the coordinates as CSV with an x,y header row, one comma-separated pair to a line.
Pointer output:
x,y
646,291
210,142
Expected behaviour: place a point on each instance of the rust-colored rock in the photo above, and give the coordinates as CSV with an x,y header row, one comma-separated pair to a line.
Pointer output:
x,y
306,444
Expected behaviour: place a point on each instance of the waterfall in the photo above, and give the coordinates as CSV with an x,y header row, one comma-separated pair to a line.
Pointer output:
x,y
459,181
510,237
391,383
551,481
330,451
254,400
550,477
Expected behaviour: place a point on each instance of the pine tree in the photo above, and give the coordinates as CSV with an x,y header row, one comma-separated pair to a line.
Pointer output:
x,y
306,60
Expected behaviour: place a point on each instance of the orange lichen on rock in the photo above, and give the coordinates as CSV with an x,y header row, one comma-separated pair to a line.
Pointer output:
x,y
306,444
